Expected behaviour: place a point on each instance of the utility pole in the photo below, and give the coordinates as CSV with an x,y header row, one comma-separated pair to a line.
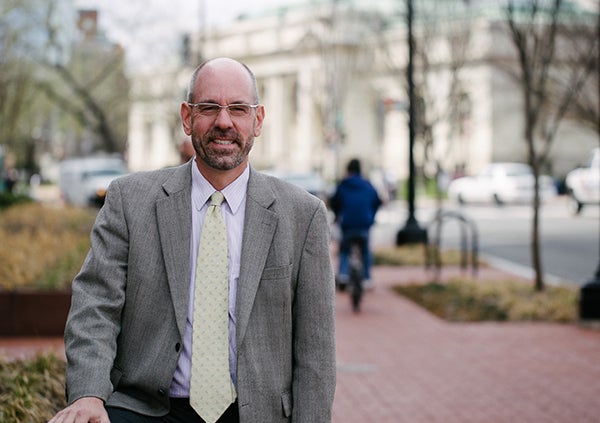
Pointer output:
x,y
412,233
201,31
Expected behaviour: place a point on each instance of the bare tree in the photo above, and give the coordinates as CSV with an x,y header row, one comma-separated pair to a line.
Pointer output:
x,y
338,29
448,27
536,27
88,87
51,88
584,50
16,88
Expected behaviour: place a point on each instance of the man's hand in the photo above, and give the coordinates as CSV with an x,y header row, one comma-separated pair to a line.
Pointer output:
x,y
84,410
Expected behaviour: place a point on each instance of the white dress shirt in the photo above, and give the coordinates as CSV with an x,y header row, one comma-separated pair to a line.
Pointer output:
x,y
233,210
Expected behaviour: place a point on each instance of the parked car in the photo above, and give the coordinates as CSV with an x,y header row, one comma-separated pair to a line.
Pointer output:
x,y
583,184
83,181
310,181
501,183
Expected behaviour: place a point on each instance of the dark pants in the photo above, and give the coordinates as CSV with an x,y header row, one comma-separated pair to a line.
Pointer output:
x,y
181,412
362,236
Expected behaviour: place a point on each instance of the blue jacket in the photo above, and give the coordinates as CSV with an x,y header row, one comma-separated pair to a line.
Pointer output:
x,y
355,203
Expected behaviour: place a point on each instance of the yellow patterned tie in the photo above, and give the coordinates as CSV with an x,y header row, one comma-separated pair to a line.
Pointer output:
x,y
211,388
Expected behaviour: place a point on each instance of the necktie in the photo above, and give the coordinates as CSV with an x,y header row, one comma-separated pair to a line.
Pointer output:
x,y
211,388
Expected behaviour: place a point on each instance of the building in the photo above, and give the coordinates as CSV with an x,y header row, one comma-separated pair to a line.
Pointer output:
x,y
332,78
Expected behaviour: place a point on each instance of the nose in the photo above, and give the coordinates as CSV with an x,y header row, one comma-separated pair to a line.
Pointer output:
x,y
223,119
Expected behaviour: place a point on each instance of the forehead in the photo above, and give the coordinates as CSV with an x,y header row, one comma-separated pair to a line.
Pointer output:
x,y
224,82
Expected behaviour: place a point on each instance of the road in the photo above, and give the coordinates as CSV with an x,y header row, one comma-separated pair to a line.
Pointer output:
x,y
570,244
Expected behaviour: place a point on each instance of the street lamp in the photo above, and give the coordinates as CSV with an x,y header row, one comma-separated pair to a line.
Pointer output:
x,y
589,298
589,294
412,232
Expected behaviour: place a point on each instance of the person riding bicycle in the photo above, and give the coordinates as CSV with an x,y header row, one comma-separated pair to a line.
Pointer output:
x,y
354,203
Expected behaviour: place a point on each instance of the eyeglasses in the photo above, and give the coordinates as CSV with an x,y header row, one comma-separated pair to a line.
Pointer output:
x,y
213,109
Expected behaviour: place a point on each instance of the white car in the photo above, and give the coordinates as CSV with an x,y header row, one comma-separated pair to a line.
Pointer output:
x,y
310,181
83,181
583,184
501,183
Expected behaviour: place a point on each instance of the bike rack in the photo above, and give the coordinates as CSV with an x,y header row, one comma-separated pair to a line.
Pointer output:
x,y
432,248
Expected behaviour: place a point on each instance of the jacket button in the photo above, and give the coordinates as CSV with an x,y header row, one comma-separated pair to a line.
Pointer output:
x,y
161,392
177,347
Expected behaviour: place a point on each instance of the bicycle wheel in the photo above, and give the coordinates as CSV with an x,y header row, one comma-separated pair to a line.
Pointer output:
x,y
356,296
356,276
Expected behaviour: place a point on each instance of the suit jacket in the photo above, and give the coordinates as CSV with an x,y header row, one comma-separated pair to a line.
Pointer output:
x,y
129,303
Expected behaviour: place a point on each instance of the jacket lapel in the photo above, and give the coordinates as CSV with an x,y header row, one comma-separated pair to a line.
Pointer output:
x,y
174,223
259,226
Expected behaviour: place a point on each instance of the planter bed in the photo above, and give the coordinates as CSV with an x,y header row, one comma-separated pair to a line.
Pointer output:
x,y
33,313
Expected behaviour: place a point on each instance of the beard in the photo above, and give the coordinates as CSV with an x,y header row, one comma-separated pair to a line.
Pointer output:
x,y
219,159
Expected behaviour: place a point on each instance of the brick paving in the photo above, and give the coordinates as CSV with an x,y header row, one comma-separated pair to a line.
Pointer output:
x,y
398,363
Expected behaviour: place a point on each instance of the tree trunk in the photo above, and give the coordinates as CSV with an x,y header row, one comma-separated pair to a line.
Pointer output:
x,y
536,254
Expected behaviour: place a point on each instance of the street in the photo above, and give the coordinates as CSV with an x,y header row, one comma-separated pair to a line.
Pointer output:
x,y
570,244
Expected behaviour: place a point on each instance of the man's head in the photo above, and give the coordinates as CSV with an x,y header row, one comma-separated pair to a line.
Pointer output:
x,y
222,137
353,167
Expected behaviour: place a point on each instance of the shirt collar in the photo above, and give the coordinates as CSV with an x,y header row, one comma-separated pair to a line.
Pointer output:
x,y
234,193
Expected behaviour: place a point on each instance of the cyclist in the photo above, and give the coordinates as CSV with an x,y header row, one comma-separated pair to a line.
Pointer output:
x,y
354,203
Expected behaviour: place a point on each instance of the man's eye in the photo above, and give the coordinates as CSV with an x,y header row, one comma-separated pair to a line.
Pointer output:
x,y
209,109
238,109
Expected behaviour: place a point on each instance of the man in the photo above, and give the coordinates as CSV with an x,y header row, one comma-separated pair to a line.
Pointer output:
x,y
355,204
129,332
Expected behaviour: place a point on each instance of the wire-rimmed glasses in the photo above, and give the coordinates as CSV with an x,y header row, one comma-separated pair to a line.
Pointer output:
x,y
238,110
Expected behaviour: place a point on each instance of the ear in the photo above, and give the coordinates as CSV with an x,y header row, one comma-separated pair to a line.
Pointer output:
x,y
260,116
186,118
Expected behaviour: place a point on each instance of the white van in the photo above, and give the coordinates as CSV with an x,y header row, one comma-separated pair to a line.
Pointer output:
x,y
83,181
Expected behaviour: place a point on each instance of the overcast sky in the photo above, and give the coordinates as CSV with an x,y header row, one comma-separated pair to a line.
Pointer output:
x,y
150,29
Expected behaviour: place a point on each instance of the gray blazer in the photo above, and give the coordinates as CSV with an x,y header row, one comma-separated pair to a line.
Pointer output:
x,y
129,306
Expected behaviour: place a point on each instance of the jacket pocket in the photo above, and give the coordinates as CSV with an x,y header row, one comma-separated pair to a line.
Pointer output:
x,y
280,272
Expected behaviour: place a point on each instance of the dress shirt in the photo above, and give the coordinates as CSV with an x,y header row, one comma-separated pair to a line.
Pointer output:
x,y
233,210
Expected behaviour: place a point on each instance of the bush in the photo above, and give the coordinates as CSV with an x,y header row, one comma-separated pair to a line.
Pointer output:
x,y
44,246
413,255
467,299
8,199
31,390
506,300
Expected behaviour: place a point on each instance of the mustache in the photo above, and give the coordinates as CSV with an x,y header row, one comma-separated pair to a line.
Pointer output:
x,y
229,134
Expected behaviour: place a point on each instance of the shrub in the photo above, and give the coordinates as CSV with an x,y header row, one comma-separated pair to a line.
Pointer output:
x,y
8,199
413,255
43,246
505,300
31,390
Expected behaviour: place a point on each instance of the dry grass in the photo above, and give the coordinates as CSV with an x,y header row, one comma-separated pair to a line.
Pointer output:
x,y
503,300
43,247
31,390
414,255
468,299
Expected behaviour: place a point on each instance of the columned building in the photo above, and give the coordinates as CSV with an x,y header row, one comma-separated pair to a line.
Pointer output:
x,y
333,82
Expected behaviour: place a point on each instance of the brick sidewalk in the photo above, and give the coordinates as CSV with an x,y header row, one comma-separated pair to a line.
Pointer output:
x,y
398,363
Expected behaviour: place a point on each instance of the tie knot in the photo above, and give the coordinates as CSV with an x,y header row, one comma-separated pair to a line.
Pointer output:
x,y
216,199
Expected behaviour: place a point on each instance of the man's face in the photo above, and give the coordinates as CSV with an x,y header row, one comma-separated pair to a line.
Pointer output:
x,y
223,140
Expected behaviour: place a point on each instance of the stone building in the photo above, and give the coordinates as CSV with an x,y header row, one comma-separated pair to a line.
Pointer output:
x,y
332,78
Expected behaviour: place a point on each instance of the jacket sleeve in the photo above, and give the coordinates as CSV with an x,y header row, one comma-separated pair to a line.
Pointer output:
x,y
98,294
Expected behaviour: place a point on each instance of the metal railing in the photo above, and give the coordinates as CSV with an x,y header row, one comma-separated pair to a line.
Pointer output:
x,y
468,232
